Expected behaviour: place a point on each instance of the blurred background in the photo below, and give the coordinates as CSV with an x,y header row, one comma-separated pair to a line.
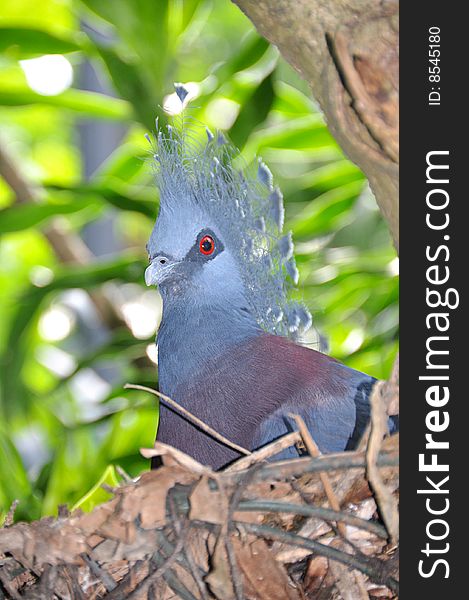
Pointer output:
x,y
80,84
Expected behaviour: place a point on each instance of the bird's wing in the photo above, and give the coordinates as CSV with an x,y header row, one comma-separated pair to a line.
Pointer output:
x,y
249,393
332,399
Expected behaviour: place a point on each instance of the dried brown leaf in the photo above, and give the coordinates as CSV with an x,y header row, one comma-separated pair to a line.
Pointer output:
x,y
207,504
315,574
263,577
219,579
350,583
148,499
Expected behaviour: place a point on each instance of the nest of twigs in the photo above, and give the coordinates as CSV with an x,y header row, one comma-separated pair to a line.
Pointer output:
x,y
317,527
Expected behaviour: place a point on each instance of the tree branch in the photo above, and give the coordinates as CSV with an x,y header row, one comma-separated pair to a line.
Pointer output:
x,y
347,50
68,247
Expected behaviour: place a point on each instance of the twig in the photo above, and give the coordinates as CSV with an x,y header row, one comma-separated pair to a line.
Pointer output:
x,y
9,589
63,511
161,449
10,516
194,569
163,571
235,574
384,498
195,573
73,585
288,469
190,417
391,390
313,449
163,567
225,530
234,501
349,583
125,476
242,484
290,439
365,566
125,585
178,587
318,512
106,579
359,578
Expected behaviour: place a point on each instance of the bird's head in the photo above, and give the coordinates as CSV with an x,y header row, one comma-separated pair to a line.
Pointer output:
x,y
218,235
190,258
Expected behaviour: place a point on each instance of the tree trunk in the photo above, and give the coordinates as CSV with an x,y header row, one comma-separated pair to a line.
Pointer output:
x,y
347,50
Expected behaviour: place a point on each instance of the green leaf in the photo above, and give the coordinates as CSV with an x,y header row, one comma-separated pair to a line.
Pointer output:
x,y
76,466
97,495
131,430
249,52
132,85
291,101
326,212
296,134
253,112
142,24
14,484
137,64
327,177
125,164
30,41
119,195
22,216
90,104
304,140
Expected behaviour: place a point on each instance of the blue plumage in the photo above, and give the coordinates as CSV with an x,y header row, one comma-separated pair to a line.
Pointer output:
x,y
228,346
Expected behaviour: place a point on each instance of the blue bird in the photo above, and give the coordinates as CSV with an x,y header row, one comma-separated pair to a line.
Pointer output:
x,y
228,346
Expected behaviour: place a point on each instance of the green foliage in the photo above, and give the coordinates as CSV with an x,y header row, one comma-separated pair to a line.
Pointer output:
x,y
29,41
98,493
90,104
59,442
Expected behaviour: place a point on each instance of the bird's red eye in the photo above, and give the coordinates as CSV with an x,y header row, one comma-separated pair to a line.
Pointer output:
x,y
207,245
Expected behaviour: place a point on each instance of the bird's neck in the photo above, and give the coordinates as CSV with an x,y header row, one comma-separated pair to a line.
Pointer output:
x,y
191,333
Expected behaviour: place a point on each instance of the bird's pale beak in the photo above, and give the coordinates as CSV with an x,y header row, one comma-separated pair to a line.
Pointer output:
x,y
158,270
151,276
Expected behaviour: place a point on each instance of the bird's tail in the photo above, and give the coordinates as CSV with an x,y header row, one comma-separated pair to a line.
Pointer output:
x,y
363,408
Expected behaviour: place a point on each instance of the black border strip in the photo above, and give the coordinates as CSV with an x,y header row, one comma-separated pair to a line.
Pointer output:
x,y
433,262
